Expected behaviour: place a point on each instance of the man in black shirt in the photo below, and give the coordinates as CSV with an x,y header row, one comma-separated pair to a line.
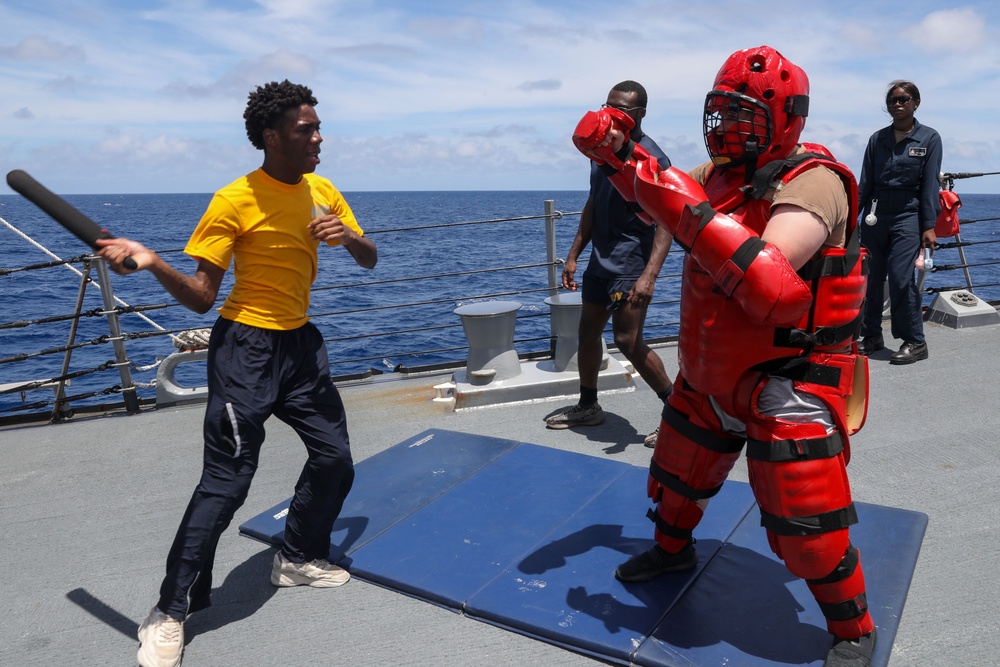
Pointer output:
x,y
625,259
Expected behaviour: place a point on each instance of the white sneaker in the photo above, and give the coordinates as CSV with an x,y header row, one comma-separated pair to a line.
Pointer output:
x,y
651,439
318,573
161,640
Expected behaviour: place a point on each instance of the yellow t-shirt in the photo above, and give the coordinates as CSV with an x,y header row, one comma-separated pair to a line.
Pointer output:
x,y
260,223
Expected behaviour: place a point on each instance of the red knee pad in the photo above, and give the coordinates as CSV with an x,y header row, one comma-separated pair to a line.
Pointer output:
x,y
812,556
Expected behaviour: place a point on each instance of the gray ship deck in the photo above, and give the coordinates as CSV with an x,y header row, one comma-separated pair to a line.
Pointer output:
x,y
90,508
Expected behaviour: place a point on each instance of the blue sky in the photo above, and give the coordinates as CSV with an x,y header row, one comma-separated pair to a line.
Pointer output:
x,y
118,96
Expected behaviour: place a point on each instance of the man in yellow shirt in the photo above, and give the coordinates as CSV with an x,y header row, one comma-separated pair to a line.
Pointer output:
x,y
264,357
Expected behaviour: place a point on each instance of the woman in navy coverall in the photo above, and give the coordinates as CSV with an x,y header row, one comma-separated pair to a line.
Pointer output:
x,y
899,184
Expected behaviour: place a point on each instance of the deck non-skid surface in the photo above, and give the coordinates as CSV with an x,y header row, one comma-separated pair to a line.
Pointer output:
x,y
527,538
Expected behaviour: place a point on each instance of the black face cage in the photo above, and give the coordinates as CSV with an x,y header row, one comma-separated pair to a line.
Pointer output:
x,y
737,128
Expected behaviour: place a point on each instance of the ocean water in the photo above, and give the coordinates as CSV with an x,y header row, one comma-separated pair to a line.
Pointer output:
x,y
399,315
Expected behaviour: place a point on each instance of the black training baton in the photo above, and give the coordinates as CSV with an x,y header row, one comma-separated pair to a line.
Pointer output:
x,y
61,211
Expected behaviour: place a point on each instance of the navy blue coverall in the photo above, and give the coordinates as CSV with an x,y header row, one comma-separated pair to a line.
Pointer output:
x,y
902,177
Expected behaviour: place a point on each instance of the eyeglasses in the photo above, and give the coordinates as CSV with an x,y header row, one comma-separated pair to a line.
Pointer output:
x,y
902,99
622,109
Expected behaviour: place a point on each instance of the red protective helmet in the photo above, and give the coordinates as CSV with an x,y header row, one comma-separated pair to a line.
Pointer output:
x,y
756,110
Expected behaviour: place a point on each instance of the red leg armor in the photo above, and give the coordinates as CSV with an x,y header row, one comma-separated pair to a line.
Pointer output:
x,y
691,460
799,477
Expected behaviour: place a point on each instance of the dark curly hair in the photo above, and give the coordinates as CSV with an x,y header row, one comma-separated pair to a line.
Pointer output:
x,y
268,104
633,87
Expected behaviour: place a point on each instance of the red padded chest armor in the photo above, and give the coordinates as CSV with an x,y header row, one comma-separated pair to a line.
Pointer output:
x,y
718,343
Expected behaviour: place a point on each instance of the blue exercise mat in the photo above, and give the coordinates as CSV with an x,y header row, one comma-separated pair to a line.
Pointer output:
x,y
527,538
392,485
564,590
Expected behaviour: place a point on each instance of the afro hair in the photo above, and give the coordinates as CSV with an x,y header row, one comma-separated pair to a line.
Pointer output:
x,y
267,105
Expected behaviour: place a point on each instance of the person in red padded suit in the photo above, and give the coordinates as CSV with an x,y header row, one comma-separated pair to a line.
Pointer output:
x,y
773,283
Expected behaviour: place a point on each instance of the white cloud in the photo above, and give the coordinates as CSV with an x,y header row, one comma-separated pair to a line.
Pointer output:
x,y
455,95
545,84
960,30
40,48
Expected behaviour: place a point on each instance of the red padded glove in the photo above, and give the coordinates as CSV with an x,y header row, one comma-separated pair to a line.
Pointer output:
x,y
593,129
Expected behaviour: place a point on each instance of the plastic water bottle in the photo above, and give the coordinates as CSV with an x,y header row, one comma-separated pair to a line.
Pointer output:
x,y
924,262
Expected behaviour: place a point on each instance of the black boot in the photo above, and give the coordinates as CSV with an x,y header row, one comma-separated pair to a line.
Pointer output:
x,y
870,344
909,353
654,562
852,652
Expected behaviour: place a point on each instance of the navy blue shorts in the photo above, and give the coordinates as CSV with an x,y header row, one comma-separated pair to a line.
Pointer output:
x,y
608,292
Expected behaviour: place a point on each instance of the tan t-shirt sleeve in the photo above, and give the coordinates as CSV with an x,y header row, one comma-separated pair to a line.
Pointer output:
x,y
821,192
818,190
700,173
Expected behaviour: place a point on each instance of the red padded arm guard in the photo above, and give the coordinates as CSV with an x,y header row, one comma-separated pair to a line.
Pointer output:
x,y
620,167
741,264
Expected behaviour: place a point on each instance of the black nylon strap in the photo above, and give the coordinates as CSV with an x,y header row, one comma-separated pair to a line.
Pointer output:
x,y
747,252
846,610
827,376
766,175
674,483
844,570
666,528
780,451
817,524
705,214
797,105
823,336
625,152
719,444
823,267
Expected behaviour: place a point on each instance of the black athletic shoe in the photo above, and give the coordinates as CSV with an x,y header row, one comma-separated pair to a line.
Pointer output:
x,y
654,562
852,652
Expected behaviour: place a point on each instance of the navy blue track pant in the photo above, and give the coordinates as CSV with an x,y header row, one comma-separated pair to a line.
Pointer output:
x,y
252,374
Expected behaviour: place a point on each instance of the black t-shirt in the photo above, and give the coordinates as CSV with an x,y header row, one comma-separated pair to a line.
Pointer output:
x,y
620,242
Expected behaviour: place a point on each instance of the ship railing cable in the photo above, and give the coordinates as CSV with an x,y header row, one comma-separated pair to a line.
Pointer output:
x,y
947,182
65,400
96,312
972,221
556,215
962,265
37,384
454,274
454,300
59,261
199,338
374,298
104,339
185,338
41,265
